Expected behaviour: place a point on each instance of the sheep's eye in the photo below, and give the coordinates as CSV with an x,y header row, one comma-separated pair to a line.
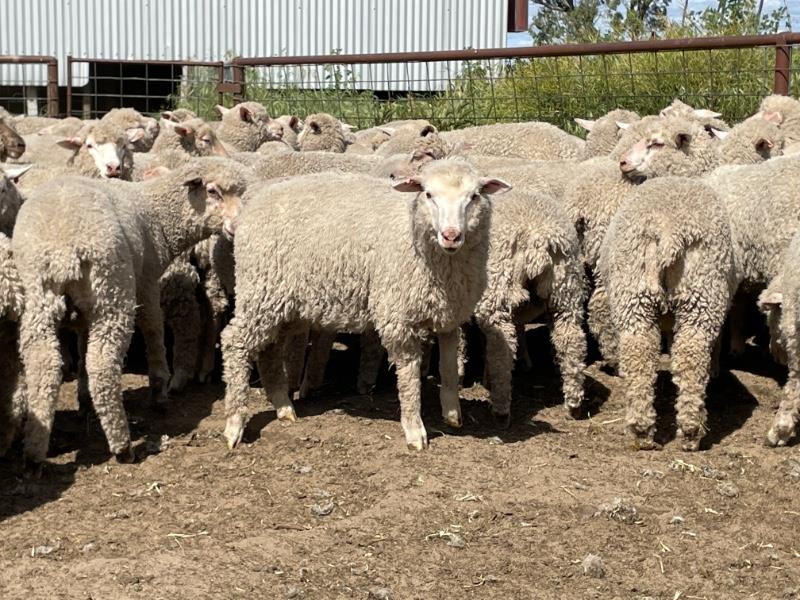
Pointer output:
x,y
214,192
428,196
476,196
656,145
89,145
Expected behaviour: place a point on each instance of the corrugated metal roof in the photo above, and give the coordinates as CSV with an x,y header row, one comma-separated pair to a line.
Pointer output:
x,y
214,30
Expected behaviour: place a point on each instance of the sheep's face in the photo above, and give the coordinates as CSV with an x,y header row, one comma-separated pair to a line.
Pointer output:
x,y
454,199
10,198
108,152
217,195
207,143
662,151
11,142
274,130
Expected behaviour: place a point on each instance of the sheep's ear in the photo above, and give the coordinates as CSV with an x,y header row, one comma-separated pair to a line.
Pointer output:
x,y
420,158
412,184
222,110
494,186
245,114
72,143
313,126
772,117
182,130
192,179
770,299
682,139
718,133
134,134
704,113
427,130
622,125
346,127
14,172
587,124
764,145
387,130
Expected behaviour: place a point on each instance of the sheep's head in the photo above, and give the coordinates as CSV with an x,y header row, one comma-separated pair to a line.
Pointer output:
x,y
253,117
671,146
11,143
10,198
108,145
322,132
754,140
179,115
197,137
454,197
216,187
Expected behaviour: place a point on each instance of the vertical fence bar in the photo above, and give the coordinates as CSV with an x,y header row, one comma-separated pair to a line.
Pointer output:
x,y
783,67
53,110
238,79
69,85
220,81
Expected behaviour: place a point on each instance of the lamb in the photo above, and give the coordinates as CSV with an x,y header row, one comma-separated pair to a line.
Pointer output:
x,y
533,140
101,247
141,130
667,257
322,132
787,109
11,143
603,133
246,126
782,298
401,268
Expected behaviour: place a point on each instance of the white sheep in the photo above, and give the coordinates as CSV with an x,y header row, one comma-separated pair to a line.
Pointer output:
x,y
532,140
322,132
246,126
787,111
103,246
142,131
604,133
404,268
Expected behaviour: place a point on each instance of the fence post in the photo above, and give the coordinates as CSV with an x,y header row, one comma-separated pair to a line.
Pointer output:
x,y
69,85
53,109
220,81
238,79
783,67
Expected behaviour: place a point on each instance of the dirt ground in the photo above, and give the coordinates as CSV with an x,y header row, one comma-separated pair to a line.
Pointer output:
x,y
335,506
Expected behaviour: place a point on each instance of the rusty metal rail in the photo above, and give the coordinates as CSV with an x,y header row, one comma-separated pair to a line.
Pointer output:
x,y
51,63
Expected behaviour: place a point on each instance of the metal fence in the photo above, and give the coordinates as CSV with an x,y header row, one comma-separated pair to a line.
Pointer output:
x,y
451,88
95,86
20,84
549,83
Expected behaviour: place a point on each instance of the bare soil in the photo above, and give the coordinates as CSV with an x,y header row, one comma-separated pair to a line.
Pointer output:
x,y
335,506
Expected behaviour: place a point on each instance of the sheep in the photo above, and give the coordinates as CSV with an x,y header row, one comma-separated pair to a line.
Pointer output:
x,y
246,126
667,257
12,404
603,133
271,166
707,118
787,111
532,140
101,247
369,140
752,141
322,131
404,138
10,197
141,130
400,268
11,143
193,136
534,267
99,151
781,298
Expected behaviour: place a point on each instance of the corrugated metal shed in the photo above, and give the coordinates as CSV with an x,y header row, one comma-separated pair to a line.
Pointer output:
x,y
218,29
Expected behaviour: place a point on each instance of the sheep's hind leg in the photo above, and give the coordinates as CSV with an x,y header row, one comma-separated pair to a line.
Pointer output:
x,y
318,355
272,369
692,349
639,352
369,361
501,347
151,323
448,372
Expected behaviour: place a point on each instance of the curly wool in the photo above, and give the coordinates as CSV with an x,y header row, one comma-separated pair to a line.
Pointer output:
x,y
12,401
789,110
383,269
668,251
105,247
532,140
131,119
752,141
604,132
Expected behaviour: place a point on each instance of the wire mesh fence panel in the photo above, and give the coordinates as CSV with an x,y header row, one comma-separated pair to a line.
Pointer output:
x,y
453,90
28,85
97,86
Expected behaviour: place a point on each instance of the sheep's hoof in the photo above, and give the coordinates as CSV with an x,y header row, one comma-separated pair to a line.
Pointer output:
x,y
645,443
179,381
416,436
778,436
453,418
127,456
575,412
32,469
286,413
234,430
502,420
690,440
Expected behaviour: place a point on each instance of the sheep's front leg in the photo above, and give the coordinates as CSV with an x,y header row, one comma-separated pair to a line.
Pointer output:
x,y
501,347
785,423
369,361
407,358
601,326
448,372
150,320
272,370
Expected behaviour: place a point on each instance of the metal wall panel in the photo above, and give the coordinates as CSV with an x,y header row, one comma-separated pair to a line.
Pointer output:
x,y
219,29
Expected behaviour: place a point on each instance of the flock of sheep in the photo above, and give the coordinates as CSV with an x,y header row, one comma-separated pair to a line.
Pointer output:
x,y
654,228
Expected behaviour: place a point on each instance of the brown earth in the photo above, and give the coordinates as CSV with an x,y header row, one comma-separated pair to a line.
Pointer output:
x,y
335,506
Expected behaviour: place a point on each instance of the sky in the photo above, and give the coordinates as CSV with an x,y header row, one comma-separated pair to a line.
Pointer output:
x,y
516,40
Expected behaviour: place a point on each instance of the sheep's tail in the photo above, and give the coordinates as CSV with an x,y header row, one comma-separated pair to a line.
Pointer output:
x,y
662,251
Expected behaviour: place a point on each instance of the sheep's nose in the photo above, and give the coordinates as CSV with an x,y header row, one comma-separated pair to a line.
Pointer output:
x,y
451,235
112,169
625,166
